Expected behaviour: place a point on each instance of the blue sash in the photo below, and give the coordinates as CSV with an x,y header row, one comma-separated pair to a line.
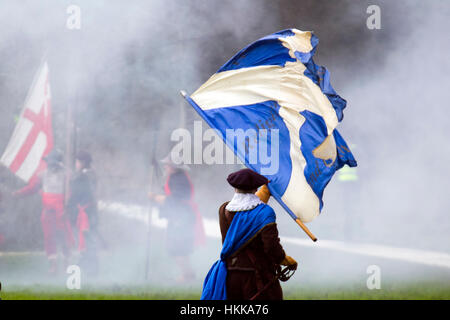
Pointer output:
x,y
244,226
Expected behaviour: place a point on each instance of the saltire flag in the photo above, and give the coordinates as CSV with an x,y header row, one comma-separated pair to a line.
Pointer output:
x,y
32,138
274,84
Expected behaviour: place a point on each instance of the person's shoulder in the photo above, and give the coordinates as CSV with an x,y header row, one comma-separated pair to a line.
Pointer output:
x,y
268,210
87,175
222,207
224,204
266,207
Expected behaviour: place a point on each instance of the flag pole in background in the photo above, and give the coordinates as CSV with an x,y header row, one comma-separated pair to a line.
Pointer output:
x,y
69,149
74,67
273,193
152,176
149,222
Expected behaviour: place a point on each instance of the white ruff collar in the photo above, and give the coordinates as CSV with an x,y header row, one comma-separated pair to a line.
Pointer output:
x,y
243,202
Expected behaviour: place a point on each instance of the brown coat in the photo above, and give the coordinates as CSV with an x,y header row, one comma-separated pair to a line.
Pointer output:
x,y
254,264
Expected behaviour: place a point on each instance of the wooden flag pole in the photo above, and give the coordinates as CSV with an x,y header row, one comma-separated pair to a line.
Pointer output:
x,y
304,228
149,222
293,216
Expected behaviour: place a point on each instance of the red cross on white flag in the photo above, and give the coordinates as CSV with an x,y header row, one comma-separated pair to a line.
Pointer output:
x,y
32,138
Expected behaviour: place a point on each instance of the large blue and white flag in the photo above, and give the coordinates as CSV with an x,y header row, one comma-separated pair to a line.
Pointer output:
x,y
274,93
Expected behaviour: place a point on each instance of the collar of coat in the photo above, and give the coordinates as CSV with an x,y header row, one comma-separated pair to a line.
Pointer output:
x,y
243,202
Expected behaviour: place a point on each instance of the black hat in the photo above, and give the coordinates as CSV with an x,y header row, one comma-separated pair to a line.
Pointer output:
x,y
84,157
246,179
54,157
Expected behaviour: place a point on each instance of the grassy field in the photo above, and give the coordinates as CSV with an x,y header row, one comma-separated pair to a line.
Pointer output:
x,y
24,277
416,291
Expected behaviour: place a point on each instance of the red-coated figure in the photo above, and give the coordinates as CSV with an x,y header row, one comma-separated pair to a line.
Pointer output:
x,y
55,224
185,227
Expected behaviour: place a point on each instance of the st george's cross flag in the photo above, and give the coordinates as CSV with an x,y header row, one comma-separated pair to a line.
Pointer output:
x,y
32,138
274,85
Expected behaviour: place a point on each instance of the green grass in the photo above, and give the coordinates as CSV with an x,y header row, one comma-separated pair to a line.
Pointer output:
x,y
417,291
25,278
49,293
410,291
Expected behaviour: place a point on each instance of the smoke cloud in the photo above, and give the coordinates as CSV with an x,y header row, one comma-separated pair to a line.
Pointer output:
x,y
122,72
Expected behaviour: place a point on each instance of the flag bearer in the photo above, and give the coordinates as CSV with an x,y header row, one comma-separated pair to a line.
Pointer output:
x,y
251,252
55,224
